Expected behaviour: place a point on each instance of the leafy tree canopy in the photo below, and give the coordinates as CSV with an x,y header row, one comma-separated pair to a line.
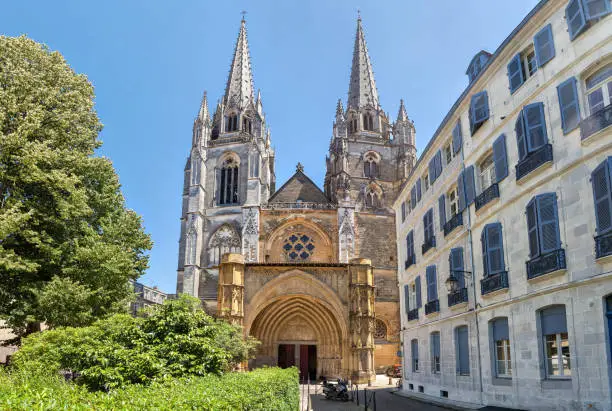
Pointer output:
x,y
176,339
63,221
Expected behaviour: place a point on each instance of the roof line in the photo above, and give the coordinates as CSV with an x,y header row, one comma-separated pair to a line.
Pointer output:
x,y
291,178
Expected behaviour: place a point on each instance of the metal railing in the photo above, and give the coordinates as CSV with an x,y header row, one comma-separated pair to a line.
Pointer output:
x,y
458,297
488,195
546,263
413,314
603,245
409,261
428,244
596,122
494,282
454,222
432,307
534,160
369,397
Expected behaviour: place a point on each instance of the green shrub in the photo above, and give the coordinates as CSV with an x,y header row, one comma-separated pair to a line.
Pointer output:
x,y
177,339
262,389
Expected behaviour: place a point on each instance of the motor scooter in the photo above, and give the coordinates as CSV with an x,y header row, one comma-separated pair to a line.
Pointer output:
x,y
336,392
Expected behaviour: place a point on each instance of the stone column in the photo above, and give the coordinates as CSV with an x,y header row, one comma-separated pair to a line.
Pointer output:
x,y
230,298
362,320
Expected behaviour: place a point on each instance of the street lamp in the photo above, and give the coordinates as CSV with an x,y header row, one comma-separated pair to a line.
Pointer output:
x,y
452,282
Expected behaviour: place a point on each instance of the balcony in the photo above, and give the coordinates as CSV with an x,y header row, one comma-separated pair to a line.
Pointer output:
x,y
410,261
487,196
432,307
494,282
413,314
603,245
596,122
454,222
546,263
534,160
458,297
428,244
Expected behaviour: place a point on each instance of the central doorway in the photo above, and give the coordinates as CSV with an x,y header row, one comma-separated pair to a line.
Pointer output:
x,y
304,356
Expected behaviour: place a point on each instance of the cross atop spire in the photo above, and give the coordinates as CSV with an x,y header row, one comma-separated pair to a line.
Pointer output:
x,y
239,89
362,87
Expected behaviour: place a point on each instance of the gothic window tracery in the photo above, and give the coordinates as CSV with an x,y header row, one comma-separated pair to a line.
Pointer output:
x,y
228,182
380,332
225,240
298,247
370,166
373,197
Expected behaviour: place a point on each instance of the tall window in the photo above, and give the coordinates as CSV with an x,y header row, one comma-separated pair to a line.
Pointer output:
x,y
428,228
432,283
479,110
353,125
579,13
448,153
370,166
228,182
501,347
435,352
543,224
492,249
247,125
368,122
373,197
455,264
487,172
410,256
601,180
599,89
453,202
462,349
414,349
556,344
530,129
231,123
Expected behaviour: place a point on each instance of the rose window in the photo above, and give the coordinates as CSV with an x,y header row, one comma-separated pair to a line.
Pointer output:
x,y
298,247
380,332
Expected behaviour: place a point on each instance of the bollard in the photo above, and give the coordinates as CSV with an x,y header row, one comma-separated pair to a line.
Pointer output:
x,y
390,380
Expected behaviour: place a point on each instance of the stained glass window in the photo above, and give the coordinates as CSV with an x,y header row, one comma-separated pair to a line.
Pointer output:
x,y
298,247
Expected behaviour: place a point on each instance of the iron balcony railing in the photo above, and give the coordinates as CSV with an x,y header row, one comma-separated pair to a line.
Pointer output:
x,y
494,282
488,195
428,244
413,314
603,245
432,307
596,122
454,222
534,160
546,263
409,261
458,297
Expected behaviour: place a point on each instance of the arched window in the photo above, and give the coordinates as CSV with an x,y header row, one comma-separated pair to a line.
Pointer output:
x,y
246,125
368,122
353,125
380,332
370,166
373,198
231,123
228,182
225,240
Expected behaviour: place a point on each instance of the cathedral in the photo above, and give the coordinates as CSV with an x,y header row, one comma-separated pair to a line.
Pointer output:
x,y
310,273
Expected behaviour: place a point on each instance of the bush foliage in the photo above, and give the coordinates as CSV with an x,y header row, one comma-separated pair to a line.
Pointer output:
x,y
262,389
176,339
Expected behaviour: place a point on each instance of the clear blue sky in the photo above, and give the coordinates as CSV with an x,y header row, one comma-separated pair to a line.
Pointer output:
x,y
150,61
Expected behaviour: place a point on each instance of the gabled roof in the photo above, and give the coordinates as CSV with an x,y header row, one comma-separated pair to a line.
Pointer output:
x,y
299,187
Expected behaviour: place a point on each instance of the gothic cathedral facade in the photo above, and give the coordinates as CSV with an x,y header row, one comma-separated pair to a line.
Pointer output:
x,y
311,273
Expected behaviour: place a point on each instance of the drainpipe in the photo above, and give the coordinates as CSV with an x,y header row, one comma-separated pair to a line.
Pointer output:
x,y
473,278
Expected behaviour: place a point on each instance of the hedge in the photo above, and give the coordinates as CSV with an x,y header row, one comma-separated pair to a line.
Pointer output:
x,y
262,389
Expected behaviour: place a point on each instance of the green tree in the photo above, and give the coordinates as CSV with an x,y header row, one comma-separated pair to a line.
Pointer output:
x,y
63,220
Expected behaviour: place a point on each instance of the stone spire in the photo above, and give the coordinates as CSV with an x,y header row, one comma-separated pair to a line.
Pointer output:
x,y
402,115
339,109
362,87
204,114
239,90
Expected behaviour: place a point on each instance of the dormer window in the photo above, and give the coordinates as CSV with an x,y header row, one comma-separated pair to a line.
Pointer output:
x,y
231,123
368,122
477,64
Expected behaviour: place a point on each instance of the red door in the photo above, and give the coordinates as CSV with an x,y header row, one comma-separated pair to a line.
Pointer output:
x,y
304,362
286,355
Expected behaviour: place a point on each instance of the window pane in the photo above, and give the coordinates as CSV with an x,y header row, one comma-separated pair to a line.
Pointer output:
x,y
596,100
565,354
552,355
501,368
531,63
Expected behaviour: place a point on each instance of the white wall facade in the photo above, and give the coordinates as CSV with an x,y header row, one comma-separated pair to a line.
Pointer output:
x,y
581,287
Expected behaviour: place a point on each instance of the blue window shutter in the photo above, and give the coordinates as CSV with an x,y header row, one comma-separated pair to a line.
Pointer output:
x,y
456,264
485,256
432,169
411,246
495,248
515,73
568,103
407,297
435,281
461,191
521,140
457,138
548,222
596,8
417,285
479,110
431,223
463,357
544,46
553,320
413,197
470,189
418,190
403,211
442,210
535,126
439,163
575,17
500,329
532,229
432,286
602,195
500,158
